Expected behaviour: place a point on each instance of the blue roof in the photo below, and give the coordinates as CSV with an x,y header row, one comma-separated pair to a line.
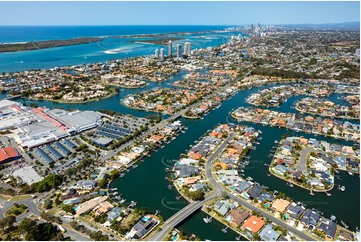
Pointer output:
x,y
54,152
44,156
69,144
62,148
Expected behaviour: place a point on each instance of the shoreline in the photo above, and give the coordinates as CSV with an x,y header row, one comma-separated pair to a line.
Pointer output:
x,y
76,102
45,44
123,86
317,114
322,134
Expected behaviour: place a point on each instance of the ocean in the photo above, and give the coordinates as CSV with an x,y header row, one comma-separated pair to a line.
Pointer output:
x,y
107,49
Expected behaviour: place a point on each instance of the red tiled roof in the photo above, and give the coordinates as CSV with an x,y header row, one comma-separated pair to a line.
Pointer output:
x,y
7,153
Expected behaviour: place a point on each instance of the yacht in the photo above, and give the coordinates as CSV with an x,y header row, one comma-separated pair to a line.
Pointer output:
x,y
207,220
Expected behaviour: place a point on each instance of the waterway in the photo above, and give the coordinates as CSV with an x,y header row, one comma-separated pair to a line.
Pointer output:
x,y
146,184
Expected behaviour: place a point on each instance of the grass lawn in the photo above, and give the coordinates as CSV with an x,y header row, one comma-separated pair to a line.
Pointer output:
x,y
5,197
19,198
16,210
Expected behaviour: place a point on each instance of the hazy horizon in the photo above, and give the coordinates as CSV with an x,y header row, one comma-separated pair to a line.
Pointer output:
x,y
177,13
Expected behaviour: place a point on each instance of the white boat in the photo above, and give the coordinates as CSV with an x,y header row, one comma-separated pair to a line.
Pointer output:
x,y
207,220
350,173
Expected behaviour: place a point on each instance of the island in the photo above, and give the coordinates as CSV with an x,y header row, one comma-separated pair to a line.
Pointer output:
x,y
35,45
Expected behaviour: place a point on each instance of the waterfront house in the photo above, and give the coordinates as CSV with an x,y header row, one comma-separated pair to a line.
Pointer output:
x,y
295,211
280,205
143,227
314,182
85,184
185,170
238,216
329,227
269,234
231,180
340,161
88,205
186,181
223,207
266,196
346,236
254,223
114,213
255,191
198,187
281,169
310,218
103,207
286,150
242,186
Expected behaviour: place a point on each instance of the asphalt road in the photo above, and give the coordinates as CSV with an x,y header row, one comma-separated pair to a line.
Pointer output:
x,y
301,166
192,207
179,217
218,188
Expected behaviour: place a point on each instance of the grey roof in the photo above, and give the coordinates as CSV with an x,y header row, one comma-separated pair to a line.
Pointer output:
x,y
255,191
310,217
198,186
266,196
269,234
243,185
295,210
328,227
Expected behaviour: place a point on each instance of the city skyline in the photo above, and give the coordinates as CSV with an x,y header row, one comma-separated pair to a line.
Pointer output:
x,y
162,13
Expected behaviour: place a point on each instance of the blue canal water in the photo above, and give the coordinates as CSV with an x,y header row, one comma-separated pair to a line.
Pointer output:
x,y
146,184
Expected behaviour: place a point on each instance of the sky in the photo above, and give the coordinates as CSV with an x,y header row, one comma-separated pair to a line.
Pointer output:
x,y
177,13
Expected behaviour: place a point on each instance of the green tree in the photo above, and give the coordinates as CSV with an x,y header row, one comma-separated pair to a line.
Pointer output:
x,y
26,224
7,222
98,236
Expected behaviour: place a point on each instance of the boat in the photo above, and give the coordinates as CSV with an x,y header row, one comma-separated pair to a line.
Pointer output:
x,y
341,188
276,141
122,201
135,166
169,186
350,173
122,174
238,237
311,193
115,193
289,184
207,219
333,217
269,174
344,224
224,230
328,194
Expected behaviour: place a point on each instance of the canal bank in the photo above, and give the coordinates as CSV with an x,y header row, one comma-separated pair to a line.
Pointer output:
x,y
146,184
